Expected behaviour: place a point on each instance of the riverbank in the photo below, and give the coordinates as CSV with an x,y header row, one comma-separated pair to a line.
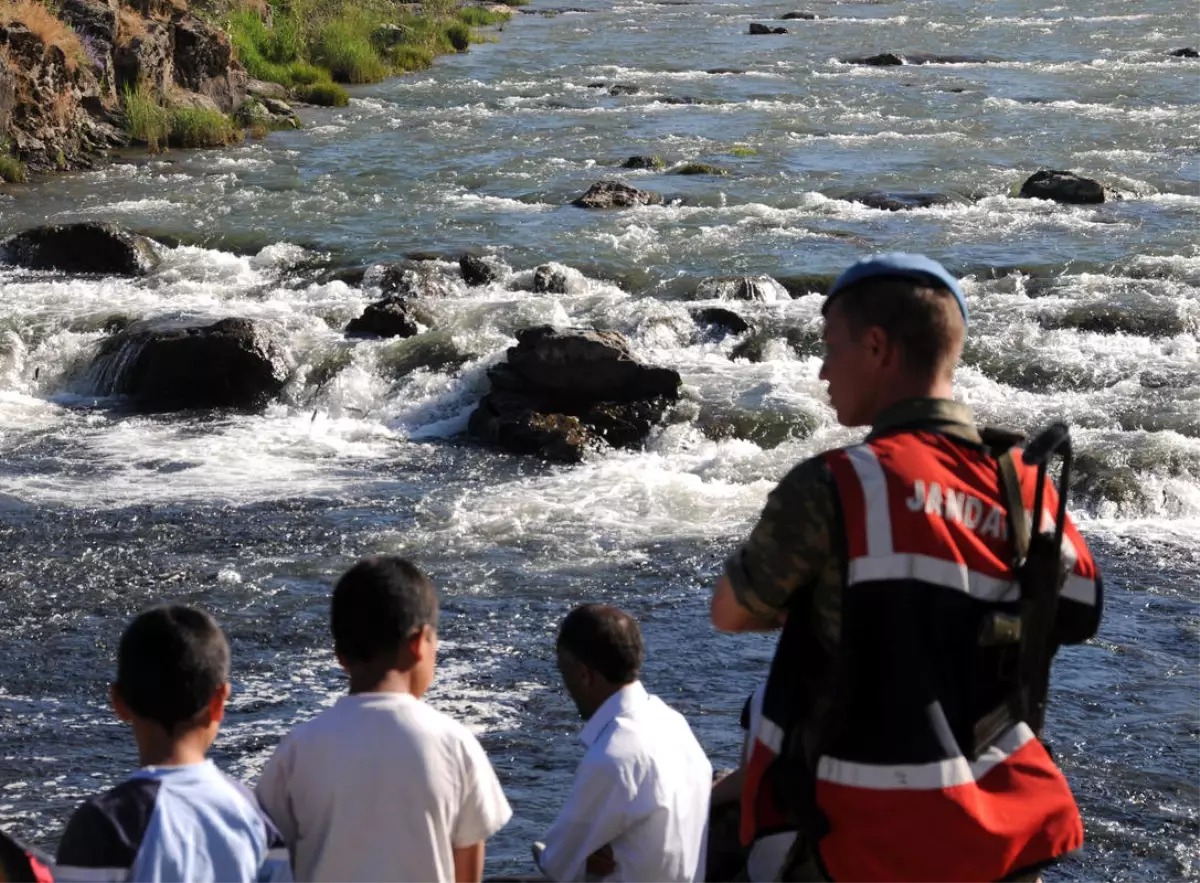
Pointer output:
x,y
80,77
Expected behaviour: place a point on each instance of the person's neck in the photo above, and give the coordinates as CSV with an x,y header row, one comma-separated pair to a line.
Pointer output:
x,y
158,748
902,388
601,696
391,681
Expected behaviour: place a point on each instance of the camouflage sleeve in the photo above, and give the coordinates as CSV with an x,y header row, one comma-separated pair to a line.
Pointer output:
x,y
793,546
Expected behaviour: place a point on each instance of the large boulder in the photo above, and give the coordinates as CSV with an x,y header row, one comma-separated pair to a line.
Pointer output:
x,y
616,194
561,392
82,248
1065,187
548,279
173,365
721,320
204,62
145,57
763,289
390,317
481,270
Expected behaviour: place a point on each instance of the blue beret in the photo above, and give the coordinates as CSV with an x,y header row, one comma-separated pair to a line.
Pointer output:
x,y
916,267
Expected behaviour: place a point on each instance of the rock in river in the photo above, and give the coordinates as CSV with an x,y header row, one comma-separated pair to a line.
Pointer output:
x,y
1065,187
82,248
561,392
176,365
616,194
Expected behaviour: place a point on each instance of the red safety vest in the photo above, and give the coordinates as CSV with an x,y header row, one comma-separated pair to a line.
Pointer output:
x,y
928,555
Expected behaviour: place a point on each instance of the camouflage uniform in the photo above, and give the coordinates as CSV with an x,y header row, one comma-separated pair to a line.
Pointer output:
x,y
794,563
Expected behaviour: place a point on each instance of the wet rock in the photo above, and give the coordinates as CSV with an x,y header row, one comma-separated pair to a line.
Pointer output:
x,y
547,279
721,319
171,366
763,289
679,99
802,342
700,168
435,350
758,28
624,89
598,85
799,16
82,248
898,201
616,194
269,113
412,279
561,392
478,270
390,317
725,70
1063,187
1112,319
203,62
1185,52
767,429
893,59
644,162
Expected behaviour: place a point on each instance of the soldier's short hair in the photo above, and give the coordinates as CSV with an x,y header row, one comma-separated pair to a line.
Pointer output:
x,y
604,639
925,321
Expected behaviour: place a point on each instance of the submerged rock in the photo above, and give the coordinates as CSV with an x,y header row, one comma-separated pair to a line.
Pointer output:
x,y
1064,187
390,317
644,162
412,279
799,16
1185,52
898,200
549,280
171,365
758,28
616,194
895,59
756,288
624,89
478,270
757,347
563,391
721,319
700,168
82,248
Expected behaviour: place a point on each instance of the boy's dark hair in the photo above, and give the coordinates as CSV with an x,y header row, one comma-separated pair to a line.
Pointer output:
x,y
605,639
923,320
170,662
378,605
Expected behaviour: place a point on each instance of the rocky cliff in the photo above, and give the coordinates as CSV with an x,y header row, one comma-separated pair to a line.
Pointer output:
x,y
65,64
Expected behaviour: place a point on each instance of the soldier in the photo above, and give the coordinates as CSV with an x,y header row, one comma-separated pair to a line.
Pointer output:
x,y
902,714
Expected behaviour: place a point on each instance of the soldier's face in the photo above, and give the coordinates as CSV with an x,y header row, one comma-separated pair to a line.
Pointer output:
x,y
852,369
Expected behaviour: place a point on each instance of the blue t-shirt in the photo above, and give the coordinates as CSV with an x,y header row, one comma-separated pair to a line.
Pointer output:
x,y
170,825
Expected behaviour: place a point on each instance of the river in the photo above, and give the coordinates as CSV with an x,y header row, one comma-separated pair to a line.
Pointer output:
x,y
1085,313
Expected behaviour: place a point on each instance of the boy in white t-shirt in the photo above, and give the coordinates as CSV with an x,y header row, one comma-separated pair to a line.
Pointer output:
x,y
381,786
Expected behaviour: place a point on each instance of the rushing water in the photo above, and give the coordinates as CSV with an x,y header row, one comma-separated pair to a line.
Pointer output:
x,y
1091,314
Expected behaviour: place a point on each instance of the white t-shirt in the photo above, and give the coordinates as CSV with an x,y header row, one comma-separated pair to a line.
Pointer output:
x,y
643,787
381,787
767,854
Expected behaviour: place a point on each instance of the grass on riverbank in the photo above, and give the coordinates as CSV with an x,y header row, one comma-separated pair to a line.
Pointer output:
x,y
316,43
158,126
12,169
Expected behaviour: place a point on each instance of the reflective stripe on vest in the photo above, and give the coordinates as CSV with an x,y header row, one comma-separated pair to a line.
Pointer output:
x,y
923,514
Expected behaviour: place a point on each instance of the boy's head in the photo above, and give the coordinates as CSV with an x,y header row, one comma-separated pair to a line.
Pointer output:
x,y
599,651
384,618
173,671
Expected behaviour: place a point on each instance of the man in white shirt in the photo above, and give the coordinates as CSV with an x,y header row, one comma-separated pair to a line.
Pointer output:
x,y
638,810
381,786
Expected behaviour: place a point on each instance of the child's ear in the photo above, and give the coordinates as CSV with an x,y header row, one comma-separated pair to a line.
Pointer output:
x,y
120,706
216,705
417,645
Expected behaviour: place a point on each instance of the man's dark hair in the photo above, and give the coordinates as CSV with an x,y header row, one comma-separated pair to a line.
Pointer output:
x,y
923,320
378,604
171,661
605,639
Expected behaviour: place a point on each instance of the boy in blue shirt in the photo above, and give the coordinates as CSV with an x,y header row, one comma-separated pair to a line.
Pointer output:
x,y
178,818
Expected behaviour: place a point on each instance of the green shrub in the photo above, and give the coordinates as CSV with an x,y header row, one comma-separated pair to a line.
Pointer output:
x,y
145,118
324,94
344,47
12,169
198,127
459,36
405,58
478,17
305,74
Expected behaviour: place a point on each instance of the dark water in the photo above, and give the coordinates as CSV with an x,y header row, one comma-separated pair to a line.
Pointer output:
x,y
1090,314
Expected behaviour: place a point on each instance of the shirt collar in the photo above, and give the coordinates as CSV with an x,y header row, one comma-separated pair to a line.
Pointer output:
x,y
944,415
621,702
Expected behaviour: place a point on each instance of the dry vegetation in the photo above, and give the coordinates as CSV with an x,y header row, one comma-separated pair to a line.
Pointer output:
x,y
52,32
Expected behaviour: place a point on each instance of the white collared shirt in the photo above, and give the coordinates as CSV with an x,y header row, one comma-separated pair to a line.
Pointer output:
x,y
643,786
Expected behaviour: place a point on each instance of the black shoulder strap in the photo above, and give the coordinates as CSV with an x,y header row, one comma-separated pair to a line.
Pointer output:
x,y
1014,502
